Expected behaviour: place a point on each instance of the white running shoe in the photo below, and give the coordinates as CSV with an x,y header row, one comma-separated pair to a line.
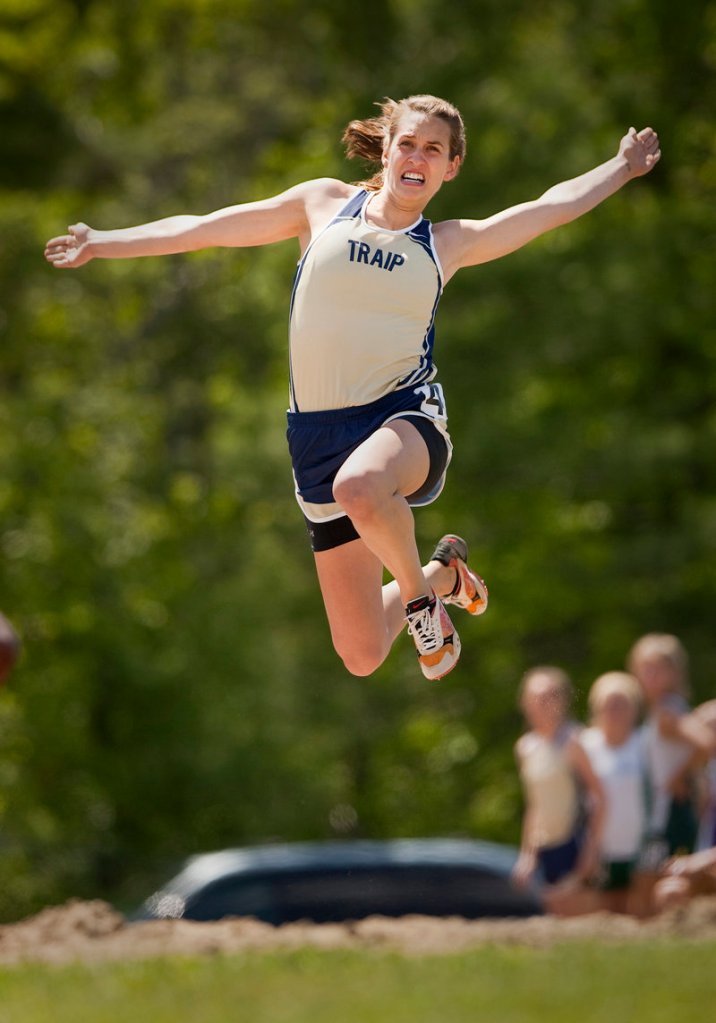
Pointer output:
x,y
436,641
470,592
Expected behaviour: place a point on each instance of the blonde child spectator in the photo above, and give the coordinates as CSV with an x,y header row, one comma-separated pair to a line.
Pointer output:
x,y
555,770
615,750
675,744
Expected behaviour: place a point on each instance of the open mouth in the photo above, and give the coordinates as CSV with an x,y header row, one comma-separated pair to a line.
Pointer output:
x,y
412,178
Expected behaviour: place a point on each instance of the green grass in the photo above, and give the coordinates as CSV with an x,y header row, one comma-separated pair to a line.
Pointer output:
x,y
577,983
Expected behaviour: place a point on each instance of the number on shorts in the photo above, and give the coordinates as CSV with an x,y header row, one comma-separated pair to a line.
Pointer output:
x,y
433,404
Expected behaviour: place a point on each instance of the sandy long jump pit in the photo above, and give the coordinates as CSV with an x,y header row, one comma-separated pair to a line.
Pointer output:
x,y
93,931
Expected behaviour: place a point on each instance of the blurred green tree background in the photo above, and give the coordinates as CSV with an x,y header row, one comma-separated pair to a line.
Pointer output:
x,y
177,690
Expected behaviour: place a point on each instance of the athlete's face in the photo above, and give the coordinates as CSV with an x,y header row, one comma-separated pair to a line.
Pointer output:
x,y
417,159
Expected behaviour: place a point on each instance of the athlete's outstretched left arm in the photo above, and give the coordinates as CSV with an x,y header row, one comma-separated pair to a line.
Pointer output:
x,y
469,242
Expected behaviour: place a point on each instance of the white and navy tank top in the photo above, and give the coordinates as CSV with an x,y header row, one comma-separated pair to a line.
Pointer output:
x,y
362,311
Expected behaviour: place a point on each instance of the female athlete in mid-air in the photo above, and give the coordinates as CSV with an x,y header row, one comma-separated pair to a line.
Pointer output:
x,y
367,426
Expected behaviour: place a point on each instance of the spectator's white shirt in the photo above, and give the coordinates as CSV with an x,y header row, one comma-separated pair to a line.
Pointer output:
x,y
621,770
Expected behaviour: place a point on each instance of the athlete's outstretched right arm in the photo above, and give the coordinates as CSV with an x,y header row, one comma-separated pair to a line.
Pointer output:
x,y
464,243
255,223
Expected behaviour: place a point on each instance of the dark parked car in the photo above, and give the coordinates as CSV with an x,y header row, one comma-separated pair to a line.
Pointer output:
x,y
336,881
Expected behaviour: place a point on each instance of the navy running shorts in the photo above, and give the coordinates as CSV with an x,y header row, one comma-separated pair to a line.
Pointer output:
x,y
320,442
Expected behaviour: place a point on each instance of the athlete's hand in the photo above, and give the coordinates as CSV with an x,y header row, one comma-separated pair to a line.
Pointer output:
x,y
641,150
69,250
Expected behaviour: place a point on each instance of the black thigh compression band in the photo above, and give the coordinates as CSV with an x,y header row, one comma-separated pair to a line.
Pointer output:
x,y
336,532
437,453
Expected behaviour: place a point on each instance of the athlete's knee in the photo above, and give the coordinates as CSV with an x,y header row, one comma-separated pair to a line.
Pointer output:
x,y
361,660
361,665
361,495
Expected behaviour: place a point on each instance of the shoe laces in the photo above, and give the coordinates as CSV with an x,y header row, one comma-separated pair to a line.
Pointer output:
x,y
425,627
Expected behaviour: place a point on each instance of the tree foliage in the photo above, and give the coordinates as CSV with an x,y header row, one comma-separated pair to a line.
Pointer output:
x,y
178,690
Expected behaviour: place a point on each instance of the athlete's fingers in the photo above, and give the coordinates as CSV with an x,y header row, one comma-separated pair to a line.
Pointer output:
x,y
59,250
61,240
649,139
55,249
55,255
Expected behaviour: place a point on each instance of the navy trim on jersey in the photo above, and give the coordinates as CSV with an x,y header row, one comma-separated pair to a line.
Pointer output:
x,y
422,234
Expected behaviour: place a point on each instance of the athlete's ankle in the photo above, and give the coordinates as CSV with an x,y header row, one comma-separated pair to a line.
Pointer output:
x,y
423,597
444,579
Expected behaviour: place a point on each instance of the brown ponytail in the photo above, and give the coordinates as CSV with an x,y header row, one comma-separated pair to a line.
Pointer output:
x,y
366,140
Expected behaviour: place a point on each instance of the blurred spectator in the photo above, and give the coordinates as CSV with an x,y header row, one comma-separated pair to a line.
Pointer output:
x,y
557,841
706,713
684,877
9,648
615,750
675,744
